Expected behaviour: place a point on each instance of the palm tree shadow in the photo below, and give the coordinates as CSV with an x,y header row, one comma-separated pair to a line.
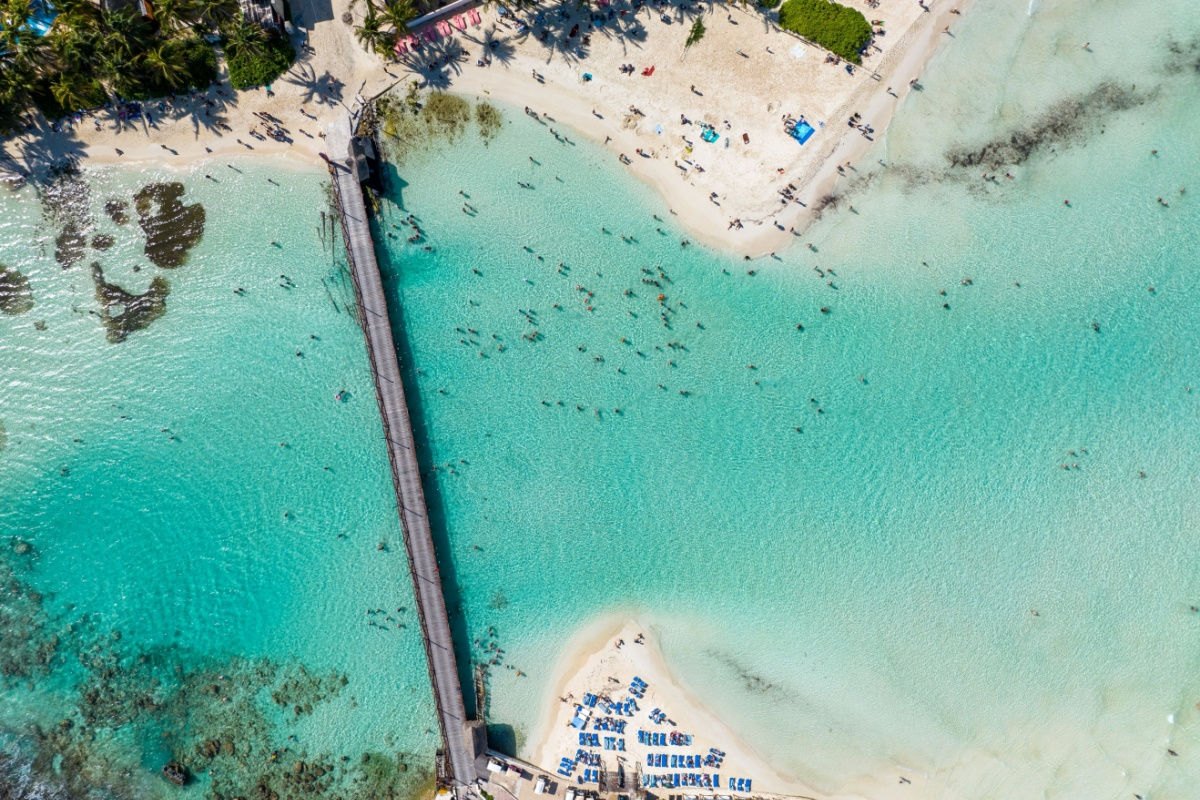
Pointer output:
x,y
498,49
38,149
320,89
209,115
437,63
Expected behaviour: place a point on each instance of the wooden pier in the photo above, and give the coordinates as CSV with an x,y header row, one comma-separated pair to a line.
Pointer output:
x,y
460,736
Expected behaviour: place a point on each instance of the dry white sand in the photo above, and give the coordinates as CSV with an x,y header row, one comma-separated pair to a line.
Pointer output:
x,y
778,75
592,659
743,77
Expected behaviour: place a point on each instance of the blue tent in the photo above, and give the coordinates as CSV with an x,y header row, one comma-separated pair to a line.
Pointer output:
x,y
802,131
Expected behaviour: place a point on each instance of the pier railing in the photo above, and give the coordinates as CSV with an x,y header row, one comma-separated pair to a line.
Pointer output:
x,y
458,765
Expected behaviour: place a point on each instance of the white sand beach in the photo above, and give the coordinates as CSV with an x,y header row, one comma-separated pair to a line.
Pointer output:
x,y
742,78
593,662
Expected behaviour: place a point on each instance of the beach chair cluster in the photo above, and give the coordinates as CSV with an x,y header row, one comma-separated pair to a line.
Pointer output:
x,y
680,739
566,767
589,776
673,780
588,740
587,758
686,762
609,724
652,739
625,708
739,784
580,720
637,687
714,758
590,700
443,29
614,743
657,715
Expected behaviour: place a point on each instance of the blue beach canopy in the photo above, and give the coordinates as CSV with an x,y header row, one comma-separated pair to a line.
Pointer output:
x,y
802,131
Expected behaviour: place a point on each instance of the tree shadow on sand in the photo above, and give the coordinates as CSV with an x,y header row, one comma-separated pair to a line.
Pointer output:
x,y
38,149
492,44
324,89
437,63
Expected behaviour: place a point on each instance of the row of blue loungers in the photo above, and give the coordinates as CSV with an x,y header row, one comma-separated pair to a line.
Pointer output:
x,y
664,740
628,708
676,761
672,780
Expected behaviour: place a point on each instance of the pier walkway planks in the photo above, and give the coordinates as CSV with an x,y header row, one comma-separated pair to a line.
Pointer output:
x,y
397,429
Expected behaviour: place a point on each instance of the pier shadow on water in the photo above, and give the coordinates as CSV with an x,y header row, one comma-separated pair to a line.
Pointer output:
x,y
434,502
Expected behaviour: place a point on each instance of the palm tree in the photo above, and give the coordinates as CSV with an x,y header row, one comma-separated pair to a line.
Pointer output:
x,y
162,65
174,14
370,34
71,90
127,34
73,47
398,13
216,12
244,37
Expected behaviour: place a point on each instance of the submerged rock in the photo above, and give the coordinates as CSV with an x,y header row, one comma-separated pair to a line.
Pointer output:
x,y
123,312
15,295
70,245
171,228
117,210
176,773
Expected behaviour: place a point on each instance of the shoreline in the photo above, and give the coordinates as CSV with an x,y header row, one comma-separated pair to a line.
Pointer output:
x,y
590,660
741,176
816,176
591,652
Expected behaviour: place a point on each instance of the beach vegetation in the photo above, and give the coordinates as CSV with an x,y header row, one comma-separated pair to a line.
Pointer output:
x,y
380,29
489,119
446,114
92,55
256,57
397,14
841,30
414,123
695,34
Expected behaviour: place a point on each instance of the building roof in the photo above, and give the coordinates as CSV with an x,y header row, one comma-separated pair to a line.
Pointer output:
x,y
261,12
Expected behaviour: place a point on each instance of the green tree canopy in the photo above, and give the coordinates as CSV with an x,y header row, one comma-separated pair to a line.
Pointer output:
x,y
840,30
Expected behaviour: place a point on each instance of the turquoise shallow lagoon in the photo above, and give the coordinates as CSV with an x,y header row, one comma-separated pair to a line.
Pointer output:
x,y
838,532
193,508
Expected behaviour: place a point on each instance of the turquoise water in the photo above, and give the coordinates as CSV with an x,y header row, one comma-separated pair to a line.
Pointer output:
x,y
149,481
854,597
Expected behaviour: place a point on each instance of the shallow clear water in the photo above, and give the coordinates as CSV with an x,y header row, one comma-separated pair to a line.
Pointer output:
x,y
852,596
857,594
199,489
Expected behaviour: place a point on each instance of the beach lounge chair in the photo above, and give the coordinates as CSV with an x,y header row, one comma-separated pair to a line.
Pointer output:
x,y
430,34
473,16
444,28
401,47
460,22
